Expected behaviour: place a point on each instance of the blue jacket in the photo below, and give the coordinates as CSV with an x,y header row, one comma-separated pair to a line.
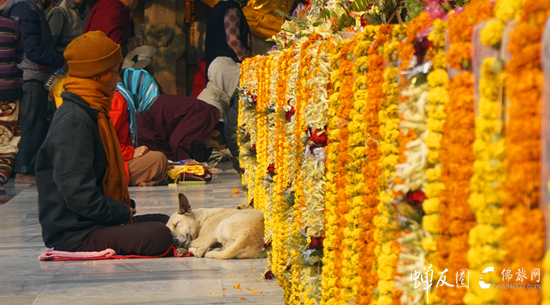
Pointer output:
x,y
37,39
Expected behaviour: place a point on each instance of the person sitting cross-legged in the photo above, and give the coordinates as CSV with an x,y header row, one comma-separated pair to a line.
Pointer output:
x,y
137,92
83,198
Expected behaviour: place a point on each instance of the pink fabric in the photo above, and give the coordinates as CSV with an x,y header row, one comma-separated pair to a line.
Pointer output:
x,y
50,254
53,255
232,23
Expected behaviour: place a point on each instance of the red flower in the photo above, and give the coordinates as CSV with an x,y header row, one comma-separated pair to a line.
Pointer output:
x,y
316,243
267,245
289,114
319,138
416,198
364,22
271,168
253,149
268,275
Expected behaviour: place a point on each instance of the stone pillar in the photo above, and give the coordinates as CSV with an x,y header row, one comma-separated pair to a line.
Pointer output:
x,y
162,31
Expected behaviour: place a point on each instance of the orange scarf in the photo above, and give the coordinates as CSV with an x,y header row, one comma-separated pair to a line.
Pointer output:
x,y
98,97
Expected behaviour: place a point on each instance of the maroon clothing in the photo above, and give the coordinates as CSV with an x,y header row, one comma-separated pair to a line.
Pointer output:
x,y
112,18
175,124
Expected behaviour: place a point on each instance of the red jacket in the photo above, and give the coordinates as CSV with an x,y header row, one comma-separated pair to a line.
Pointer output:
x,y
121,120
199,78
112,18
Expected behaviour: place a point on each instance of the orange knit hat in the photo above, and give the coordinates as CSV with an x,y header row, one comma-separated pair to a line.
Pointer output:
x,y
91,54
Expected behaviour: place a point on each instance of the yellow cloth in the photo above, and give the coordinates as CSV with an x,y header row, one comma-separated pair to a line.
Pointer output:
x,y
58,89
98,96
259,17
91,54
175,172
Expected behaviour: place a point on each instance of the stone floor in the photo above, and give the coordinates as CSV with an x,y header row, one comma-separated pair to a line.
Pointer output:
x,y
25,280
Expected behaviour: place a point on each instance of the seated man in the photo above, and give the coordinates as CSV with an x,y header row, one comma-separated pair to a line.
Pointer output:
x,y
137,92
181,127
83,200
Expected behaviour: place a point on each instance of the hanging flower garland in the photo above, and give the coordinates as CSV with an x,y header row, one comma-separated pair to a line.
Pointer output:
x,y
460,32
276,243
524,238
263,97
386,221
438,96
486,196
505,10
286,99
283,270
456,154
247,124
328,279
269,112
336,203
371,221
316,114
299,242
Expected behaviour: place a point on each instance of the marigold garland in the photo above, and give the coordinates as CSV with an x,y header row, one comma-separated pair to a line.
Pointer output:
x,y
524,238
486,196
456,154
337,158
386,221
278,254
505,10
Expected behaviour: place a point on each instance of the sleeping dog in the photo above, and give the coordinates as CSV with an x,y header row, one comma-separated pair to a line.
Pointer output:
x,y
217,233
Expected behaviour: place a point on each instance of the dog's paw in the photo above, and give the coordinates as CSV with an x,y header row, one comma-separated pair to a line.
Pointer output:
x,y
181,251
194,252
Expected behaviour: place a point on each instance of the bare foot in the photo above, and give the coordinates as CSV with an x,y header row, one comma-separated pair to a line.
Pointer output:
x,y
24,178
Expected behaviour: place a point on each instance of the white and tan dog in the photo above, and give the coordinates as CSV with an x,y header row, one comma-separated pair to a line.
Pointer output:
x,y
239,232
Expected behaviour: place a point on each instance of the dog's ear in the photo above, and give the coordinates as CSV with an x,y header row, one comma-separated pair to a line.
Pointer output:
x,y
184,204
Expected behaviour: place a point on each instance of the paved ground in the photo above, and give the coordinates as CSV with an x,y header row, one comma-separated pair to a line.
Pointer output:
x,y
25,280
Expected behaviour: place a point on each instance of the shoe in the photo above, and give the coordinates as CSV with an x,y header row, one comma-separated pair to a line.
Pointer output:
x,y
24,178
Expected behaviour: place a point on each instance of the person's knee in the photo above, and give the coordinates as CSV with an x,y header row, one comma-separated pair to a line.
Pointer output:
x,y
158,159
160,238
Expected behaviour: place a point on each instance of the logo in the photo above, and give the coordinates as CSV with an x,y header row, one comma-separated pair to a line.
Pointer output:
x,y
482,284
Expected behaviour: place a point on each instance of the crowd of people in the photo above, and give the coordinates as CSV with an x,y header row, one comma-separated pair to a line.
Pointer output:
x,y
114,128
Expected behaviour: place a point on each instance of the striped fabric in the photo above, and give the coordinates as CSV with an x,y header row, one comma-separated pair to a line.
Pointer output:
x,y
11,52
140,90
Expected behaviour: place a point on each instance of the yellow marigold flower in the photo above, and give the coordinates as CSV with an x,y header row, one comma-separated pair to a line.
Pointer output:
x,y
438,77
433,140
431,205
477,202
490,216
433,156
429,244
491,34
437,112
429,223
439,95
385,300
357,139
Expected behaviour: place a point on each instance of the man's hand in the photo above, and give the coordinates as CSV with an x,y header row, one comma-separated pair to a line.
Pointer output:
x,y
140,151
